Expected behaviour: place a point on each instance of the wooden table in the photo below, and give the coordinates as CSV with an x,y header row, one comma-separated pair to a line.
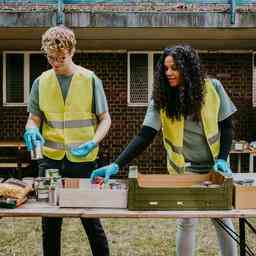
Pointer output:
x,y
12,144
16,161
39,209
252,155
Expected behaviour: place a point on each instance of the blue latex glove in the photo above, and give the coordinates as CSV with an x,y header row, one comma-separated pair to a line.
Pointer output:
x,y
222,166
84,149
32,135
253,144
105,171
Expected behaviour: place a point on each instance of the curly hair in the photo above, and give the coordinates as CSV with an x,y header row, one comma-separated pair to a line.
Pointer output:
x,y
58,38
187,98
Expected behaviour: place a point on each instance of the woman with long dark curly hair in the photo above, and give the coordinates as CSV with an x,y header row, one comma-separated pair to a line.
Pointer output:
x,y
182,100
195,116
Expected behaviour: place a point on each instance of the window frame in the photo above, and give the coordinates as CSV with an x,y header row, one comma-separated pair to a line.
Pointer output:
x,y
253,79
26,77
150,77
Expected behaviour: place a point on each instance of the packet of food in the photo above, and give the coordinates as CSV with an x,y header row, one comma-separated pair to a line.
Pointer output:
x,y
13,188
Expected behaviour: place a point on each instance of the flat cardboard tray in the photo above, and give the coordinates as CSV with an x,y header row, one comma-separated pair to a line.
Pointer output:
x,y
179,192
81,193
244,192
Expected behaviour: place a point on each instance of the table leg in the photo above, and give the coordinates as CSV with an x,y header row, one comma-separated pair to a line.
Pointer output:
x,y
242,236
251,167
19,171
239,163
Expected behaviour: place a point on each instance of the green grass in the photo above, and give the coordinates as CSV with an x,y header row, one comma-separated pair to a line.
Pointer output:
x,y
127,237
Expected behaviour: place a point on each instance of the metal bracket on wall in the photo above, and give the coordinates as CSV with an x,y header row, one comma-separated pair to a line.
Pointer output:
x,y
233,12
60,18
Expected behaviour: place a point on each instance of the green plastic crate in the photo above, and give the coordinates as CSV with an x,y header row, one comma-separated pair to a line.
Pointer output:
x,y
179,192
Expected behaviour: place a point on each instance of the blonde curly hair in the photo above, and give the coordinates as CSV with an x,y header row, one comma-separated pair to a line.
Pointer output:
x,y
58,38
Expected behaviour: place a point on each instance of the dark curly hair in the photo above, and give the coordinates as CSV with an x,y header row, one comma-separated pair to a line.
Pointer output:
x,y
187,98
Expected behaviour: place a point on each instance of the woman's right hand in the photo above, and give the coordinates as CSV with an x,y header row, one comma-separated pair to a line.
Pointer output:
x,y
105,171
32,135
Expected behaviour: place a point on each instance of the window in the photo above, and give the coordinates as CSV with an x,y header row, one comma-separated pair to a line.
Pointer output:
x,y
38,64
254,79
19,71
140,77
14,78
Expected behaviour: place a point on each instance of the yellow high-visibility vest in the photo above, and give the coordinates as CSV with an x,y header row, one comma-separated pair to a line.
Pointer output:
x,y
173,130
67,124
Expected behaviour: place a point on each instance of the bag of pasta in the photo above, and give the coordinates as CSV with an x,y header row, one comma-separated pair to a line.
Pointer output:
x,y
13,188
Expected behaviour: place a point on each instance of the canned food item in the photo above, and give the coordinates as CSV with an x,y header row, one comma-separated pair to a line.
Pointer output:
x,y
133,168
41,188
114,185
42,195
98,180
52,195
37,151
42,182
49,173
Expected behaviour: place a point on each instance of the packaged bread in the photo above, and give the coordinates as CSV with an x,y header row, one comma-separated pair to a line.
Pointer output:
x,y
13,188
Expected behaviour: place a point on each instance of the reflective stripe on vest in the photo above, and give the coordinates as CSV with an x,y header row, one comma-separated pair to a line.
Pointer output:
x,y
173,130
68,124
71,123
56,145
171,165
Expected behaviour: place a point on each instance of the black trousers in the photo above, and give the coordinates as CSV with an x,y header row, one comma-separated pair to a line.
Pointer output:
x,y
51,227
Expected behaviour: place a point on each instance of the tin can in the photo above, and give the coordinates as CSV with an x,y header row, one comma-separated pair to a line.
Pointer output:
x,y
133,168
115,186
50,173
42,195
37,151
41,188
52,195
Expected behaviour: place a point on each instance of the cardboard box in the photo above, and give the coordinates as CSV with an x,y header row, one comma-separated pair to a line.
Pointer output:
x,y
244,192
81,193
179,192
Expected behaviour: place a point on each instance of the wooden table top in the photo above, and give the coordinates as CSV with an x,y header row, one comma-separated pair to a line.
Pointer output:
x,y
33,208
12,143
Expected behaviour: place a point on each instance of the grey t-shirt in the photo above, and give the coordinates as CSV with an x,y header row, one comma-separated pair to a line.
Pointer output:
x,y
195,147
99,105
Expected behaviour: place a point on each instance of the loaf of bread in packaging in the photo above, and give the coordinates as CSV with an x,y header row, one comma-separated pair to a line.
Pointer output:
x,y
13,188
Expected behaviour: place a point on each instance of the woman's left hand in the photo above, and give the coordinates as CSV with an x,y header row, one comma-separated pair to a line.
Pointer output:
x,y
84,149
222,166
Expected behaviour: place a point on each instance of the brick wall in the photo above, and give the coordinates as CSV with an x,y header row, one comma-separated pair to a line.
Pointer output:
x,y
234,70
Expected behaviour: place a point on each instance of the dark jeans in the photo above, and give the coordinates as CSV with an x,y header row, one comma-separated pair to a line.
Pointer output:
x,y
51,227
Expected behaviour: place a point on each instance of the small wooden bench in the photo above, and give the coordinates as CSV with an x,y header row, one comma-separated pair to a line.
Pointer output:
x,y
14,157
13,169
14,165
